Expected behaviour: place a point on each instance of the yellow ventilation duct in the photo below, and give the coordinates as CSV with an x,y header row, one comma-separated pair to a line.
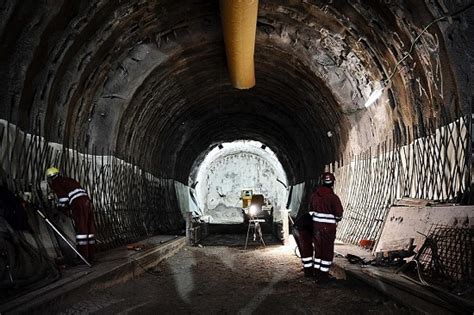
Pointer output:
x,y
239,23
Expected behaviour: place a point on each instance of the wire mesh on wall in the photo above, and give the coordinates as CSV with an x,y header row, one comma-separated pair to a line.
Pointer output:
x,y
129,203
450,256
433,167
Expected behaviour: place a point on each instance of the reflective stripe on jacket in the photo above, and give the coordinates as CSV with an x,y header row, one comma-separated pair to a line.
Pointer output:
x,y
67,190
325,206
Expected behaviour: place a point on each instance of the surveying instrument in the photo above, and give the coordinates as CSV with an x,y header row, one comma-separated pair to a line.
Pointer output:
x,y
254,225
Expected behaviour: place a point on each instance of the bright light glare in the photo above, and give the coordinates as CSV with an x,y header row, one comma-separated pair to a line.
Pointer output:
x,y
373,97
253,210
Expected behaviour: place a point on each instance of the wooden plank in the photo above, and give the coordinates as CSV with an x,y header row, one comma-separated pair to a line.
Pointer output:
x,y
411,221
395,245
403,291
412,202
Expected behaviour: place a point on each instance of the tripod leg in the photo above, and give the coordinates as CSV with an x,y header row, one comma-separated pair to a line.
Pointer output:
x,y
247,238
260,234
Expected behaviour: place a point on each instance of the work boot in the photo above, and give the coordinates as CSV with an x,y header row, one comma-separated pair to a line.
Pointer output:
x,y
317,275
308,272
325,278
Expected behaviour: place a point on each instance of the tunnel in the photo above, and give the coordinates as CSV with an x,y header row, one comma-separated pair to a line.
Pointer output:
x,y
132,97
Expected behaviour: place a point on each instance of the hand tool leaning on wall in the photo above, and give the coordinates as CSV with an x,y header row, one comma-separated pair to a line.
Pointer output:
x,y
68,242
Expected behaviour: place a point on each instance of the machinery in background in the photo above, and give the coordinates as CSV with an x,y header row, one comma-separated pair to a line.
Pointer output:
x,y
246,197
255,206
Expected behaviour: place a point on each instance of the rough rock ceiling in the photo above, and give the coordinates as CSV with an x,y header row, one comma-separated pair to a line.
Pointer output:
x,y
149,78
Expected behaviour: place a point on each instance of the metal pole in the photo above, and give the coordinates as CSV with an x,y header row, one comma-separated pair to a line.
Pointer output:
x,y
285,229
189,226
63,237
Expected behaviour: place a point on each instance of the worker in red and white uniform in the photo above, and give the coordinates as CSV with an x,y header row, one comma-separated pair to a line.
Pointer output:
x,y
303,234
326,210
72,196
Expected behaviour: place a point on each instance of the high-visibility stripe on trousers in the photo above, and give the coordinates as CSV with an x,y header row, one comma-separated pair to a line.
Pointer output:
x,y
324,235
307,262
84,226
305,243
84,239
322,265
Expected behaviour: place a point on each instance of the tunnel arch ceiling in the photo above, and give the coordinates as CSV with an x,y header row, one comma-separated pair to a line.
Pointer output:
x,y
150,76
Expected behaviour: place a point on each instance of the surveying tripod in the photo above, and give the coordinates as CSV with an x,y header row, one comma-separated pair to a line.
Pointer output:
x,y
254,224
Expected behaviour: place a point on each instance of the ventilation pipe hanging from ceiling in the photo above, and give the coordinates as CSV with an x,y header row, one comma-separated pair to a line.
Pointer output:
x,y
239,23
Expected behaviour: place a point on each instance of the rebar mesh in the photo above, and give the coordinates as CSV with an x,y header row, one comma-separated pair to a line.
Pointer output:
x,y
434,167
129,203
450,256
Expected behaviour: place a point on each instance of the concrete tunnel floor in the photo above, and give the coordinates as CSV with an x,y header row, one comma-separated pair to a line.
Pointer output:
x,y
230,280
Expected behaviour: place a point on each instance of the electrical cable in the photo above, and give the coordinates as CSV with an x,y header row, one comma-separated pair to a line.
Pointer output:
x,y
408,53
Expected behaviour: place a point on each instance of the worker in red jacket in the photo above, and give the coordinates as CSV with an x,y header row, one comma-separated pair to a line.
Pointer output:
x,y
71,195
303,234
326,210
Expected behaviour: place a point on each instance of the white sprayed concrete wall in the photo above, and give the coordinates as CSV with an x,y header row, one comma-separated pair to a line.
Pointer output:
x,y
235,169
229,175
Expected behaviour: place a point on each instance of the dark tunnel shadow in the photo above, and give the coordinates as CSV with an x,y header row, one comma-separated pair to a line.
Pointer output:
x,y
235,235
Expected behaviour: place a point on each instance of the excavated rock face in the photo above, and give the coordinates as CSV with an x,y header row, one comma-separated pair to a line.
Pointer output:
x,y
149,78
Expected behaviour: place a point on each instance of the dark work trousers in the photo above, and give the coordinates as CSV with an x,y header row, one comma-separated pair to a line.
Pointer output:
x,y
83,217
323,239
303,232
305,245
